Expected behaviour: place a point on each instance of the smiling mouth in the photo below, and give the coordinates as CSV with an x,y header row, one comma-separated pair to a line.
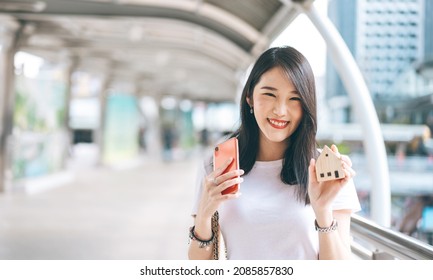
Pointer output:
x,y
278,124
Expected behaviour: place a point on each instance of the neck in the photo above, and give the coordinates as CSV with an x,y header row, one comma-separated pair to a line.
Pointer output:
x,y
270,151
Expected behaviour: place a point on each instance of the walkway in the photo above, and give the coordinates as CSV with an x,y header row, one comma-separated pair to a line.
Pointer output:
x,y
141,212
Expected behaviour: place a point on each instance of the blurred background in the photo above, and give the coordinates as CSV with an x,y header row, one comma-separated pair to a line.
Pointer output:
x,y
108,108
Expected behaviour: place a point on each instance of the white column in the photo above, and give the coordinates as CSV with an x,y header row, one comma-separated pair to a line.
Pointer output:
x,y
100,131
8,45
72,65
380,195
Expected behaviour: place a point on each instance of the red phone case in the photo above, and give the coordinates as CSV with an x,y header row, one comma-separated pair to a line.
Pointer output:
x,y
222,153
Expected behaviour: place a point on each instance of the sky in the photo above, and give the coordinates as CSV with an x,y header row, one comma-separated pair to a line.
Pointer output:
x,y
302,35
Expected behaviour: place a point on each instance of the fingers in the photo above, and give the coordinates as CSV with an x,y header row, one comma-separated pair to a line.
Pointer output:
x,y
347,160
221,169
228,183
215,185
344,158
312,171
217,177
230,196
231,174
335,150
349,172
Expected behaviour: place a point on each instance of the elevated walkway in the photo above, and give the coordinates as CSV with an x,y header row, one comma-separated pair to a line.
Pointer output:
x,y
139,212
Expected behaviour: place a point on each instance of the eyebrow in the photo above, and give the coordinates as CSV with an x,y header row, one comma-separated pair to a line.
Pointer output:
x,y
269,88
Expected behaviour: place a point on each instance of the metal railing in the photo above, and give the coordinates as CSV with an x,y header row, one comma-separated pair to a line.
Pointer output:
x,y
371,241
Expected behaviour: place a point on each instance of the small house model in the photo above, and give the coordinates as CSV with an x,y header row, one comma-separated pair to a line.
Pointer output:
x,y
328,166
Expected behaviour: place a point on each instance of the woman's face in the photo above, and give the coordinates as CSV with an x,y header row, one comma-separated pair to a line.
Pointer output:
x,y
277,106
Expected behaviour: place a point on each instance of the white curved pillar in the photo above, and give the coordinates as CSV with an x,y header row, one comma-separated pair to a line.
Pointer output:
x,y
380,194
8,46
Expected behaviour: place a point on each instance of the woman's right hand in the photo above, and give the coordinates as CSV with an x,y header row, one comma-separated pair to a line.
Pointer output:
x,y
213,185
210,200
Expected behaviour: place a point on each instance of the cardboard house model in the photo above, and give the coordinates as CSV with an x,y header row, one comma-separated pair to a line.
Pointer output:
x,y
328,166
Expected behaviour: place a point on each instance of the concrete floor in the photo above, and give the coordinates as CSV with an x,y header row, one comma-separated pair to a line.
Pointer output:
x,y
140,212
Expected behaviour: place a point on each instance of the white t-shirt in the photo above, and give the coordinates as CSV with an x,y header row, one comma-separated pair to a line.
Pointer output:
x,y
267,221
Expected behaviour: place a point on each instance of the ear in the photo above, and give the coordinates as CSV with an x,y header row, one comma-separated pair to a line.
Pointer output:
x,y
250,101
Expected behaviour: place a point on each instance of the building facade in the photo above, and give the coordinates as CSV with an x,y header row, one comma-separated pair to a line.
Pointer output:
x,y
389,40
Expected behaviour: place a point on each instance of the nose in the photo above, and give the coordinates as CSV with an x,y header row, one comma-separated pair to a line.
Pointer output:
x,y
280,108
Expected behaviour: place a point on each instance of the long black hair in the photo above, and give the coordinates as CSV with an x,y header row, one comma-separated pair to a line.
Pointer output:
x,y
302,145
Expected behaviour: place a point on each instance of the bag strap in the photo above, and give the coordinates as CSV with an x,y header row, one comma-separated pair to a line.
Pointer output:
x,y
219,248
215,232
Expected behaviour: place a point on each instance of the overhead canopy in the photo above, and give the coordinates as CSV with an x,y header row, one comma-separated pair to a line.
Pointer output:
x,y
193,49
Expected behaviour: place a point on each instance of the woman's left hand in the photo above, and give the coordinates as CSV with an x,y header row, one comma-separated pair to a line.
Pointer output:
x,y
322,194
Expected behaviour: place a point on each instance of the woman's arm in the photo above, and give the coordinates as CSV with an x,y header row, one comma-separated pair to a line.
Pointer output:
x,y
210,200
203,230
335,245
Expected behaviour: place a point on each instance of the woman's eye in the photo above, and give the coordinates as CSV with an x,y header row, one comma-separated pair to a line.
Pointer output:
x,y
295,98
269,94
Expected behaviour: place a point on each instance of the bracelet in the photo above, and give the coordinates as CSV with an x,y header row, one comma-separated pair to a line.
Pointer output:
x,y
331,228
201,243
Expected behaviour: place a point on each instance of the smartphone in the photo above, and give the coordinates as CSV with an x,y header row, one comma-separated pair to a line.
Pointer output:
x,y
222,153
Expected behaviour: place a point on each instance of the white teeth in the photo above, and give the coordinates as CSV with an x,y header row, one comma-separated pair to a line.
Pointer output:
x,y
278,123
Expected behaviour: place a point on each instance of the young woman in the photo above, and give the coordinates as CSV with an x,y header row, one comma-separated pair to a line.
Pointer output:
x,y
283,212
